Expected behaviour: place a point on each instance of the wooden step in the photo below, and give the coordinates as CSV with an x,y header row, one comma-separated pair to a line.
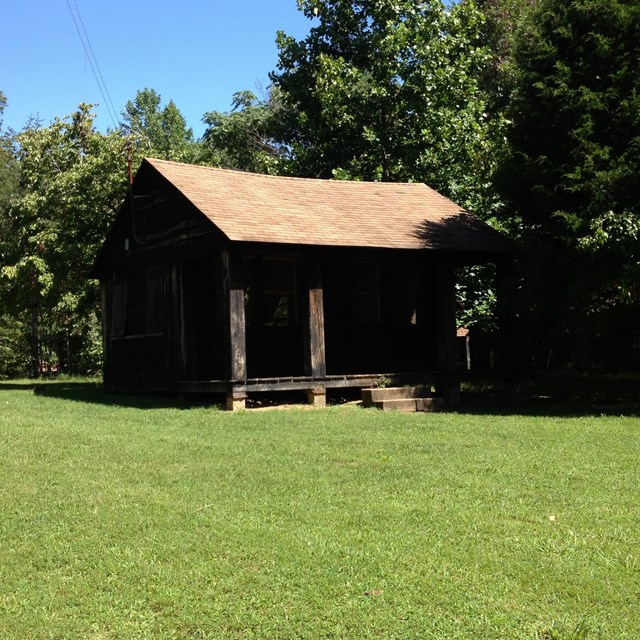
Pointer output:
x,y
407,405
373,395
408,399
429,404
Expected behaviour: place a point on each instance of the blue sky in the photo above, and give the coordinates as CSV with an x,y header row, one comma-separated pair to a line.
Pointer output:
x,y
194,53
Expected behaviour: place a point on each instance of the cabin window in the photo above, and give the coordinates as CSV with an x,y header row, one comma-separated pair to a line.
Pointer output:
x,y
138,303
401,285
278,292
364,290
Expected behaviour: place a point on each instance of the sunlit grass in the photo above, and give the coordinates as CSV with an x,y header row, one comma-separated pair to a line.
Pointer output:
x,y
148,520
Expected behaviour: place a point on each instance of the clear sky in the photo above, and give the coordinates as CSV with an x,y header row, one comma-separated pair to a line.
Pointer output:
x,y
195,53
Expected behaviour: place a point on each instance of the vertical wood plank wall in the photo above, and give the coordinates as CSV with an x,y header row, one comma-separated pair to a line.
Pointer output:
x,y
105,292
177,336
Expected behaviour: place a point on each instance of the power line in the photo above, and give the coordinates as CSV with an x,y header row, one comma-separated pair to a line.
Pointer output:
x,y
104,84
93,61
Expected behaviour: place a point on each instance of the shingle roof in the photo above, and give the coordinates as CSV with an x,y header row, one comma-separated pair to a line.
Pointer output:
x,y
250,207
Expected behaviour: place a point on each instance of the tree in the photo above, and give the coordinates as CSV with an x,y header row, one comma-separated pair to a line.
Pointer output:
x,y
73,178
161,131
13,346
390,91
396,91
9,171
572,175
244,138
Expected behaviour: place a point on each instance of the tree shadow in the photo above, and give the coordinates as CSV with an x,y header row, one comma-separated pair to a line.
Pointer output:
x,y
552,395
94,392
555,394
465,234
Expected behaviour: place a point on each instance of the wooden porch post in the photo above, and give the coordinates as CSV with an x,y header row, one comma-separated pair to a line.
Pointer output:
x,y
235,329
315,359
508,352
446,332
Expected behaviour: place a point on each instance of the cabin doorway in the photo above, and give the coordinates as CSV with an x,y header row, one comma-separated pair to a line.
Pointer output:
x,y
273,310
202,332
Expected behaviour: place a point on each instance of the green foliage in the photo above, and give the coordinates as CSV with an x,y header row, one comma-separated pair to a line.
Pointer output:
x,y
14,349
390,91
397,91
161,132
476,297
73,179
244,137
571,176
9,170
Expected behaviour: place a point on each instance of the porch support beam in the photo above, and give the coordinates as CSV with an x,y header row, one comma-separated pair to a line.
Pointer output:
x,y
234,325
446,331
508,354
315,353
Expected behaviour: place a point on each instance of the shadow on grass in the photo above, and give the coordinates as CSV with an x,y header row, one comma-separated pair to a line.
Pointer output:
x,y
557,395
550,395
544,407
93,392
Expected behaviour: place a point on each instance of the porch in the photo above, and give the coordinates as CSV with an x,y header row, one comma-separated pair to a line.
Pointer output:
x,y
236,392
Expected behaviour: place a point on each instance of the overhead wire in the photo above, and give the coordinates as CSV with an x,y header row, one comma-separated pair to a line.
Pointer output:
x,y
93,61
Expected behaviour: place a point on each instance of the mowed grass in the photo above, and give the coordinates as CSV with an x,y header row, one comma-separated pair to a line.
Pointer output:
x,y
151,520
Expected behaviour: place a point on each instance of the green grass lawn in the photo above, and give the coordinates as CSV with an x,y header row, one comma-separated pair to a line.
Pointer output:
x,y
145,519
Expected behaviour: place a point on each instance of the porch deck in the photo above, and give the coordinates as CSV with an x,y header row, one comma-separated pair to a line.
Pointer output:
x,y
236,391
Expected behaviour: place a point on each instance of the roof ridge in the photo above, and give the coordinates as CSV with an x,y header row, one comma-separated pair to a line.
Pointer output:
x,y
255,207
269,176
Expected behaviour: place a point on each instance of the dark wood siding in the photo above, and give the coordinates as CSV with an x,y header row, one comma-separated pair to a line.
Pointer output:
x,y
141,363
378,316
140,353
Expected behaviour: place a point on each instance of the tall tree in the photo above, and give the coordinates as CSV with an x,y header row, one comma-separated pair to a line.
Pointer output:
x,y
244,138
160,130
503,18
72,179
390,91
396,91
13,346
573,172
9,171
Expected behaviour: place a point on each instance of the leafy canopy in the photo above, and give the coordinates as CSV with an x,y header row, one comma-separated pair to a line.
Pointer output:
x,y
572,176
161,131
390,91
244,138
72,178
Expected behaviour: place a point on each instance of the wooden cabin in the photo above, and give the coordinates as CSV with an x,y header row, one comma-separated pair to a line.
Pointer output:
x,y
231,282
